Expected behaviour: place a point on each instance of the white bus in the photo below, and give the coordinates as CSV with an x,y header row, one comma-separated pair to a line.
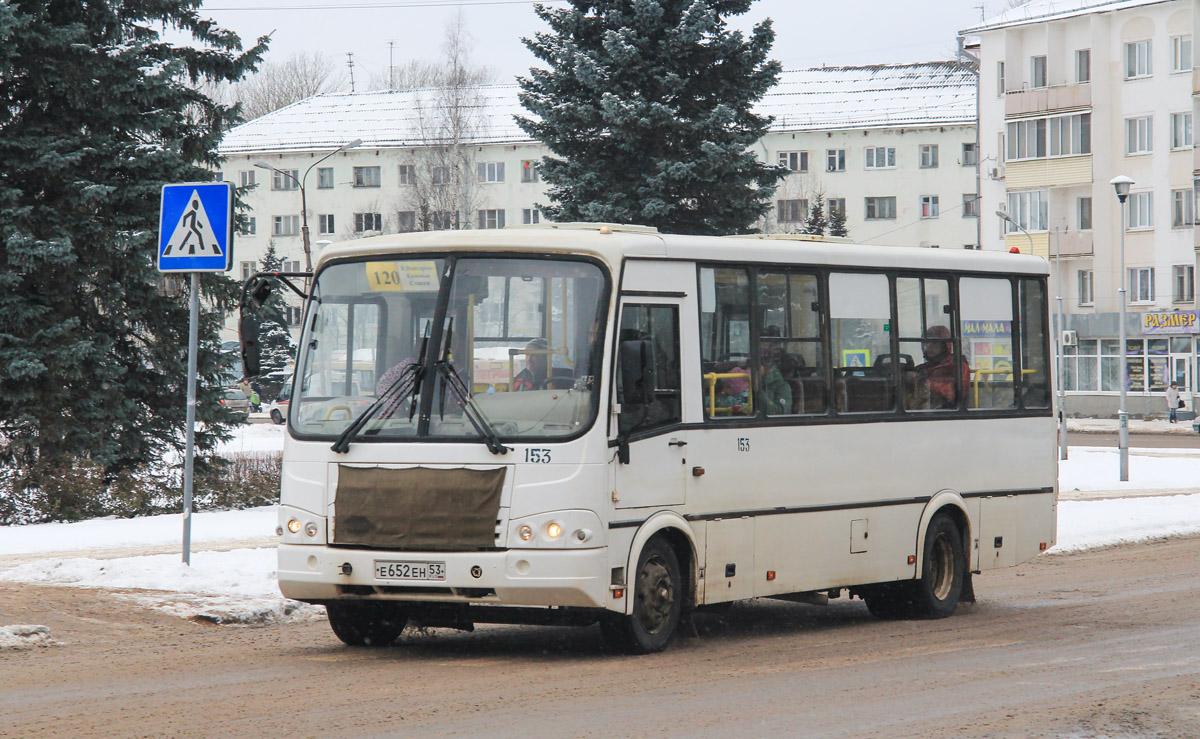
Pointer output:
x,y
583,423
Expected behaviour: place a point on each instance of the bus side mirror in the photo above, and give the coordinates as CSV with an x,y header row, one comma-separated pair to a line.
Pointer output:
x,y
637,372
260,291
251,350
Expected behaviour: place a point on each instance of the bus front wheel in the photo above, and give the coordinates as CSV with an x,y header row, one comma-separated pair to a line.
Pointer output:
x,y
657,592
366,624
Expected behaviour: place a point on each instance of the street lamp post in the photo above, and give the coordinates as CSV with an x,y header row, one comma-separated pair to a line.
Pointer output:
x,y
1121,184
303,197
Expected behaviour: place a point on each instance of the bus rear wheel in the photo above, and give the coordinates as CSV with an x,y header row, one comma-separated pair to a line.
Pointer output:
x,y
657,592
366,624
935,594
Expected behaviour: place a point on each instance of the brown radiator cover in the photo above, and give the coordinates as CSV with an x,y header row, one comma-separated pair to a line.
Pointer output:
x,y
418,508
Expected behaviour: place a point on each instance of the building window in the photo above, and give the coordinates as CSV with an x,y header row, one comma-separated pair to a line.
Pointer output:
x,y
246,178
439,174
881,157
530,216
248,268
1181,53
1087,287
1138,60
1000,79
1141,284
285,225
1083,65
879,209
406,220
408,174
1028,209
490,171
791,211
1181,209
794,161
491,218
529,171
929,156
1185,283
835,160
836,205
1068,135
1083,213
929,206
1037,71
249,226
325,178
1181,130
292,266
1141,210
368,222
970,154
285,179
970,206
443,220
1139,135
367,177
325,223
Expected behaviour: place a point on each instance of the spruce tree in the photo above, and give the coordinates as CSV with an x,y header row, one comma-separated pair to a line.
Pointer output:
x,y
837,222
274,336
647,110
815,224
97,112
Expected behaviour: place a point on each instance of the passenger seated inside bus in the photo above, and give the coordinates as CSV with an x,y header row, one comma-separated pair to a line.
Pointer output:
x,y
727,391
775,392
937,372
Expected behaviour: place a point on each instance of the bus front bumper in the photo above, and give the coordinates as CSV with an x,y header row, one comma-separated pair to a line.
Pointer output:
x,y
516,577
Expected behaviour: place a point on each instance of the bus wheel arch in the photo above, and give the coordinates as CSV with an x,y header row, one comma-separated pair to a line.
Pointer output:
x,y
679,536
953,505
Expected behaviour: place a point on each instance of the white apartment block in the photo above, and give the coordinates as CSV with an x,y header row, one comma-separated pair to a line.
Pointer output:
x,y
894,146
1073,93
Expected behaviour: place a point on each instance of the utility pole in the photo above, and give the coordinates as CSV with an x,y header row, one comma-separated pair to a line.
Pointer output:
x,y
391,67
350,64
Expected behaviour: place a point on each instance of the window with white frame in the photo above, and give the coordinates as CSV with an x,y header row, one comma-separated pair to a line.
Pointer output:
x,y
1181,208
1185,283
835,160
439,174
1141,284
406,221
529,171
408,174
1083,213
1000,79
1087,286
929,206
1138,59
285,179
879,209
880,157
970,205
1083,65
1059,136
1037,71
291,266
285,225
368,222
1139,135
249,226
490,171
294,314
970,154
1181,130
1181,53
367,177
794,161
325,223
1141,210
529,216
929,156
248,268
1028,209
836,205
791,211
491,218
246,178
324,178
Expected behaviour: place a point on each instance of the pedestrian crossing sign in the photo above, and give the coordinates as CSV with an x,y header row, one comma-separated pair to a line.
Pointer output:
x,y
195,228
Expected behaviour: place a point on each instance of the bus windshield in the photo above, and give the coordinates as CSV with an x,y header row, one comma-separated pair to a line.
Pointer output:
x,y
520,336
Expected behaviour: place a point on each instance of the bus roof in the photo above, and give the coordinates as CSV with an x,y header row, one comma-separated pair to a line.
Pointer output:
x,y
614,242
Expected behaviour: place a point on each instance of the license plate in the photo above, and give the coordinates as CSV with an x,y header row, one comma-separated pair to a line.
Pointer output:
x,y
386,569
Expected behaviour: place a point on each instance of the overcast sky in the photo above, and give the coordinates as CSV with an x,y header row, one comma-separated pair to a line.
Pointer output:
x,y
809,33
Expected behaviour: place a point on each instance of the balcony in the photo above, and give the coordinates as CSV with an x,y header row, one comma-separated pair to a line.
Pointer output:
x,y
1047,99
1074,244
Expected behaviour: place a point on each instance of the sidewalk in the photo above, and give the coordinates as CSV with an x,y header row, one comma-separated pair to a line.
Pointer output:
x,y
1136,426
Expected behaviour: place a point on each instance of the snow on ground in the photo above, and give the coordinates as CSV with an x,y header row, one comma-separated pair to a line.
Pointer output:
x,y
255,437
25,637
1098,468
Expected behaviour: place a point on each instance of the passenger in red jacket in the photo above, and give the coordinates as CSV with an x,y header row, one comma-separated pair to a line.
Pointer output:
x,y
939,368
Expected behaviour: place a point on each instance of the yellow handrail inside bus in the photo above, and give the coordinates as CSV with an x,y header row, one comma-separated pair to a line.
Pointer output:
x,y
977,373
710,381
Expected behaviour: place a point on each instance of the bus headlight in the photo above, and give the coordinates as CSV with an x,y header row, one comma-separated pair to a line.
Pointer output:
x,y
293,526
525,532
553,530
310,528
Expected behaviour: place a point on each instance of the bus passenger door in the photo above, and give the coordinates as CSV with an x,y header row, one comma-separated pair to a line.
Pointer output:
x,y
648,338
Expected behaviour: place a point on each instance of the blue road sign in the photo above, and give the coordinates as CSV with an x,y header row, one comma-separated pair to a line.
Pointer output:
x,y
195,227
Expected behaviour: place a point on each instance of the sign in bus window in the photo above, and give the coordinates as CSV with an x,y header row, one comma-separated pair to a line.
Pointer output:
x,y
986,315
860,322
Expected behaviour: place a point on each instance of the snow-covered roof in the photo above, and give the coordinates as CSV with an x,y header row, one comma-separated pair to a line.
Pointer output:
x,y
1039,11
931,93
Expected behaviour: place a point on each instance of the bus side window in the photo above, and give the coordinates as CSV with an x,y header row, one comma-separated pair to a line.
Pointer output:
x,y
927,348
860,314
1035,379
985,320
790,346
727,383
660,325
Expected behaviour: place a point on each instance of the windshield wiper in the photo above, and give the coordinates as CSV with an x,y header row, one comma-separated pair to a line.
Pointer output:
x,y
452,380
393,396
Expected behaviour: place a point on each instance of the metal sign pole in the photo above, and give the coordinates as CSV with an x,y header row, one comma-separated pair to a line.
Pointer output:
x,y
189,453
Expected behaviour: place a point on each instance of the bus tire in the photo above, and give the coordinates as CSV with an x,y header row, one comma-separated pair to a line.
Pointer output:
x,y
943,572
657,592
366,624
276,417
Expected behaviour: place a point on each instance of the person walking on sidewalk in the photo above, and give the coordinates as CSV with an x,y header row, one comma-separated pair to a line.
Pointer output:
x,y
1173,402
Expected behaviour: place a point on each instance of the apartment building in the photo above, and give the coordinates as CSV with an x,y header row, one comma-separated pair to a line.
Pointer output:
x,y
1073,93
892,146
